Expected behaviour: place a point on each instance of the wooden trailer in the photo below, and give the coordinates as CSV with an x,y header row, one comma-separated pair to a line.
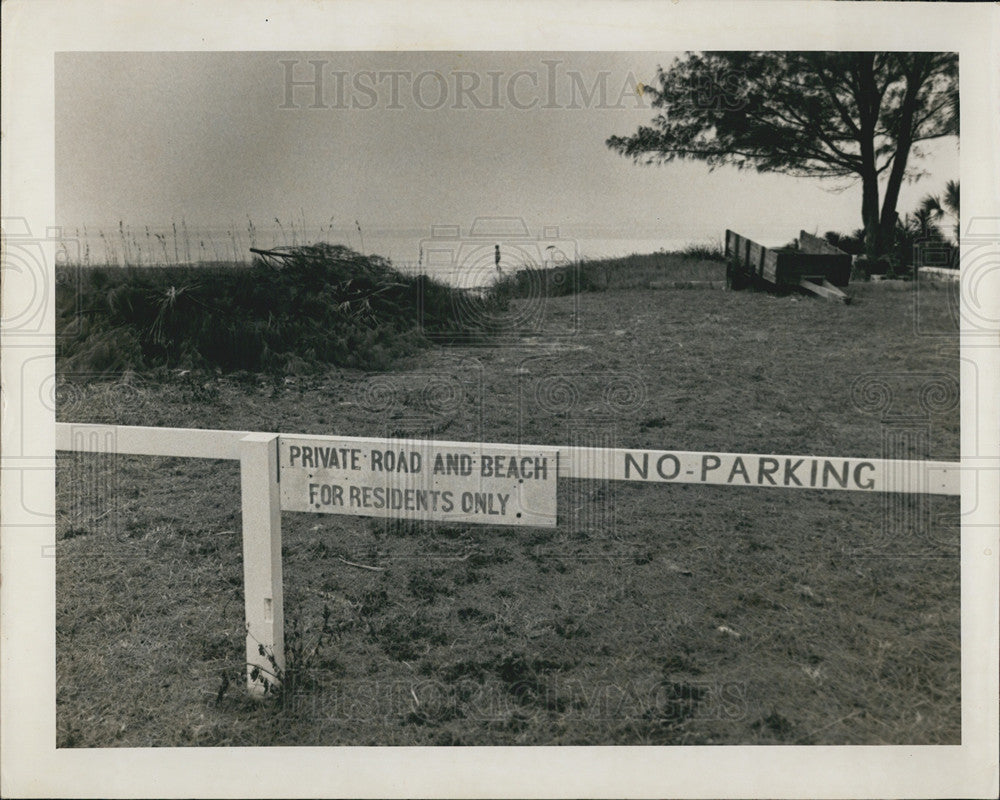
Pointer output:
x,y
815,266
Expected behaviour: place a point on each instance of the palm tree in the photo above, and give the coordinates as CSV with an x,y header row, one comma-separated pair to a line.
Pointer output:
x,y
937,207
921,223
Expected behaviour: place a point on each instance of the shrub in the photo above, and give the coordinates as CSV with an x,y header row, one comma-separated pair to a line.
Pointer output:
x,y
317,304
706,252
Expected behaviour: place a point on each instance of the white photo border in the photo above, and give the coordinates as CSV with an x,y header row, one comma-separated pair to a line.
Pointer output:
x,y
31,764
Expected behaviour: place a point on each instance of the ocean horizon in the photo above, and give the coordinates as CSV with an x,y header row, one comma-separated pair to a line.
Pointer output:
x,y
460,255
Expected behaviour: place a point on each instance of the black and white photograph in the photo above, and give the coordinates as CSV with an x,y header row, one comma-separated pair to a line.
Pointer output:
x,y
386,402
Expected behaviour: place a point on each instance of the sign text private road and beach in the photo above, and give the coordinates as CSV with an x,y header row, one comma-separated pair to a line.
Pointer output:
x,y
497,484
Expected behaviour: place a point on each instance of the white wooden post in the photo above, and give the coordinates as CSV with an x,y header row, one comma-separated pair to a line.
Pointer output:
x,y
262,556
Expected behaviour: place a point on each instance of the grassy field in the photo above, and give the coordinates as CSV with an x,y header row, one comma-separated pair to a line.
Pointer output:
x,y
650,615
637,271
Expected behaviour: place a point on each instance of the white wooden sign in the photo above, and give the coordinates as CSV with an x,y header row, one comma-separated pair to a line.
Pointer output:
x,y
491,484
765,471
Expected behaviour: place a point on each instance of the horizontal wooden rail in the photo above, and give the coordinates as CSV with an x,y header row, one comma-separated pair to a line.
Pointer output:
x,y
593,463
142,441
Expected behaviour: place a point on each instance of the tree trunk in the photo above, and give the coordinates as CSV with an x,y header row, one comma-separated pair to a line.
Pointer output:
x,y
870,214
868,101
904,140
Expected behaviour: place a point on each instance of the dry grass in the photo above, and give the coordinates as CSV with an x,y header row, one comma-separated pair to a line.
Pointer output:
x,y
617,627
613,274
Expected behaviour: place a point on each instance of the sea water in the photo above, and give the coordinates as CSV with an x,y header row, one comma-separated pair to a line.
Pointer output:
x,y
458,258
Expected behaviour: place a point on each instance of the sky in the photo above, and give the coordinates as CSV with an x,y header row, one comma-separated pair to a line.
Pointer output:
x,y
405,141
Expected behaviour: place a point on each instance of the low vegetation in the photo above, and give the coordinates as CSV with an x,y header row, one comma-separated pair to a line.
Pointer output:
x,y
698,263
320,305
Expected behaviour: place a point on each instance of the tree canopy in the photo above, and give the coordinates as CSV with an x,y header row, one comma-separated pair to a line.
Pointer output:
x,y
809,114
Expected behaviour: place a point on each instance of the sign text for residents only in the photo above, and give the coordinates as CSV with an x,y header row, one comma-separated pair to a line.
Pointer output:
x,y
498,484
